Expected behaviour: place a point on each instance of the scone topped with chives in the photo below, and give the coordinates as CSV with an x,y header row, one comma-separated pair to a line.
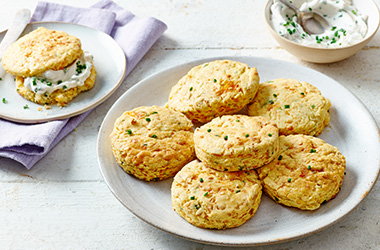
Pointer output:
x,y
50,66
214,89
236,142
296,107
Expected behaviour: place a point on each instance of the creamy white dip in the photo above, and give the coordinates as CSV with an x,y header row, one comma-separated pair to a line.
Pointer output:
x,y
347,25
67,78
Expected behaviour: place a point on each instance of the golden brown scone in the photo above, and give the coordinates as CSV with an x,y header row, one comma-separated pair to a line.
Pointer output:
x,y
61,96
214,89
212,199
307,172
41,50
152,143
296,107
236,142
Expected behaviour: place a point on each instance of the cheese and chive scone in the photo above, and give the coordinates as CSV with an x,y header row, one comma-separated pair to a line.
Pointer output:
x,y
307,172
236,142
50,66
152,143
212,199
296,107
214,89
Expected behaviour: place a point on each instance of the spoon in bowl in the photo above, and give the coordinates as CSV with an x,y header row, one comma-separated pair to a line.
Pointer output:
x,y
311,22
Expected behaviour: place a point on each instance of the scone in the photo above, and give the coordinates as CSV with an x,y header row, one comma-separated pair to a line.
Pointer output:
x,y
307,172
236,142
212,199
152,143
214,89
296,107
50,66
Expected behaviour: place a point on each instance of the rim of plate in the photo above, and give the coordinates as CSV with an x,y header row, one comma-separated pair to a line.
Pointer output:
x,y
218,243
82,110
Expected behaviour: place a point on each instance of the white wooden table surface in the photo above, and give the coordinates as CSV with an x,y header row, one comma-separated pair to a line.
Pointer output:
x,y
63,201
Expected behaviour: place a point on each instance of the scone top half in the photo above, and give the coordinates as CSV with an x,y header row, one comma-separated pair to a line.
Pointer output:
x,y
214,89
39,51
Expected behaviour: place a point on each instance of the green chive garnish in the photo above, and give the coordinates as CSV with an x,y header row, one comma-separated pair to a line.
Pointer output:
x,y
129,131
209,130
271,102
279,158
286,106
247,135
26,106
205,194
215,80
237,191
191,88
4,100
290,179
309,167
147,119
274,95
154,136
192,198
313,150
302,93
270,135
201,180
226,138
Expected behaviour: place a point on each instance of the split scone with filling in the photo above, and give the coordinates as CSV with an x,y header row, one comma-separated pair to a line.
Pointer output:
x,y
208,198
214,89
49,66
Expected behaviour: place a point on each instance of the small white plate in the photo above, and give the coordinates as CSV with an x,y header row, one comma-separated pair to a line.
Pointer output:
x,y
352,129
110,64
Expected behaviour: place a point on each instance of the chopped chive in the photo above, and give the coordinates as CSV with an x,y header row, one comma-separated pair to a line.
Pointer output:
x,y
271,102
312,106
154,113
201,180
64,87
309,167
333,28
276,199
238,191
26,106
1,79
237,120
313,150
310,9
34,81
302,93
129,131
286,106
290,179
270,135
147,119
49,83
354,12
275,95
197,206
192,198
209,130
154,136
226,138
191,88
279,158
215,80
205,194
4,100
59,82
247,135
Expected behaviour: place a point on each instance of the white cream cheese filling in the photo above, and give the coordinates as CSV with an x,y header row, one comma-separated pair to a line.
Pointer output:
x,y
347,25
70,77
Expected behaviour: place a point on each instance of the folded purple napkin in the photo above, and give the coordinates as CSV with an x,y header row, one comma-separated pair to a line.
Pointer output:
x,y
27,144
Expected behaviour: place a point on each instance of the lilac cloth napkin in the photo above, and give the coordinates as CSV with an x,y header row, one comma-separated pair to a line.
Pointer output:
x,y
27,144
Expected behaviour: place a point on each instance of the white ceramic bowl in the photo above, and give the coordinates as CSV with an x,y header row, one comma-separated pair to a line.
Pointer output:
x,y
329,55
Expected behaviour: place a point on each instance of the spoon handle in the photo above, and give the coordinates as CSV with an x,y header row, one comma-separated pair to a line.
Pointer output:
x,y
20,20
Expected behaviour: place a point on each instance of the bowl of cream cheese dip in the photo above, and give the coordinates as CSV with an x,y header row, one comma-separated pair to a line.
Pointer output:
x,y
345,27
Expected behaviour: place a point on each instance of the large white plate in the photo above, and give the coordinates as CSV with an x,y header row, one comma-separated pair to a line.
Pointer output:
x,y
110,64
352,130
